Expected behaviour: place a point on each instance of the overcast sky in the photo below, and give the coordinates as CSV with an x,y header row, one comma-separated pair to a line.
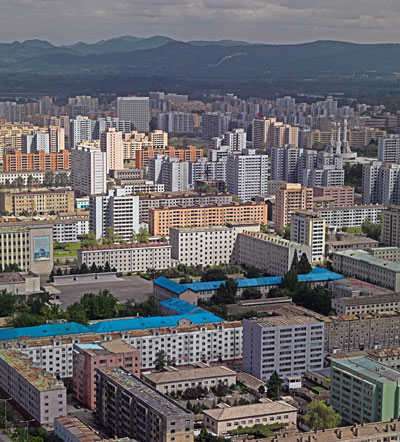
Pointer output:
x,y
269,21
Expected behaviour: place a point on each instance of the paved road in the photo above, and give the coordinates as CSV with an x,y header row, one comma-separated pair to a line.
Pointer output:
x,y
4,437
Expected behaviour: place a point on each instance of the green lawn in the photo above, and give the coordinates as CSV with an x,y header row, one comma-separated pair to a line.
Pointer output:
x,y
67,250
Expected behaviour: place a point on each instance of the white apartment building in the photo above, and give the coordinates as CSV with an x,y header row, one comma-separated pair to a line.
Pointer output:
x,y
37,176
136,110
88,171
202,169
288,345
320,169
128,258
309,228
247,174
171,172
235,139
285,163
187,343
349,216
81,129
117,210
176,122
37,392
381,183
389,149
69,230
207,245
269,253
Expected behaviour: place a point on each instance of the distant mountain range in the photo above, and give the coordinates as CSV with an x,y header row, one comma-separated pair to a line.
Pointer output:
x,y
224,60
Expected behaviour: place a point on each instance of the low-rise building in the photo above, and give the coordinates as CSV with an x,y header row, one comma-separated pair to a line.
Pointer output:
x,y
223,420
350,287
35,177
342,196
373,432
175,381
387,356
71,429
87,358
269,253
367,304
20,283
356,242
128,406
362,265
36,391
363,390
289,345
387,253
70,228
126,258
207,245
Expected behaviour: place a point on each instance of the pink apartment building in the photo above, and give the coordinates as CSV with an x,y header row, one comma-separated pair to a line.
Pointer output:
x,y
87,358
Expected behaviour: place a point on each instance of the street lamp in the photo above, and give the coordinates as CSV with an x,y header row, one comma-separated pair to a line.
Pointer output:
x,y
27,426
5,409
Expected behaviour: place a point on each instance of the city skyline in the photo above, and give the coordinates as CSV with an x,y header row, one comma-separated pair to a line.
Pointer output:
x,y
270,21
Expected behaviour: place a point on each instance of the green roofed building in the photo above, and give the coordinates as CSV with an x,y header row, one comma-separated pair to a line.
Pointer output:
x,y
363,390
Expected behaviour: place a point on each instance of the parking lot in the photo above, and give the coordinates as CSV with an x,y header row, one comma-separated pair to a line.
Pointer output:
x,y
129,287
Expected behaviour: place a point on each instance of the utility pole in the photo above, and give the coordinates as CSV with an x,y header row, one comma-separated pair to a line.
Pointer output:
x,y
5,409
27,427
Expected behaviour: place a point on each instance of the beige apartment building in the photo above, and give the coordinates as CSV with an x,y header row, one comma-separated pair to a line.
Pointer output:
x,y
162,219
267,133
111,144
174,380
290,198
362,265
37,202
222,420
391,226
126,258
36,391
269,253
367,304
27,244
364,331
179,199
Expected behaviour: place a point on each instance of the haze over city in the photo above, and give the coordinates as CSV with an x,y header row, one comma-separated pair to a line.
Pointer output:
x,y
264,21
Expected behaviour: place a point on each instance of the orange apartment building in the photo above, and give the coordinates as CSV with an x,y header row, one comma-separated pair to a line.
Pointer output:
x,y
189,153
290,198
162,218
21,162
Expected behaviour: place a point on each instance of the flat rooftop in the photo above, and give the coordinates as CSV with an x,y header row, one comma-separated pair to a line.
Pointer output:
x,y
371,299
78,429
275,239
11,278
281,321
36,376
158,401
106,347
369,368
188,374
365,258
246,411
358,285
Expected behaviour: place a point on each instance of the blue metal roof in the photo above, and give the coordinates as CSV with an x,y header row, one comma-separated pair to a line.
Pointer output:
x,y
242,283
170,285
152,322
319,274
198,286
181,307
40,331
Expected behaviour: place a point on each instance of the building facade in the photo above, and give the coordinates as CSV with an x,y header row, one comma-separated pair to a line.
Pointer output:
x,y
288,345
23,162
162,219
136,110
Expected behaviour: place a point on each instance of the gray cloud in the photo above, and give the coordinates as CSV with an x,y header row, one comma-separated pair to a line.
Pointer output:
x,y
269,21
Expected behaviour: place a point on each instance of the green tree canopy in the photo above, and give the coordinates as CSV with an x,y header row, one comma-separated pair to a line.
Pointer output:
x,y
213,275
143,235
371,230
251,293
304,266
274,386
320,416
162,359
